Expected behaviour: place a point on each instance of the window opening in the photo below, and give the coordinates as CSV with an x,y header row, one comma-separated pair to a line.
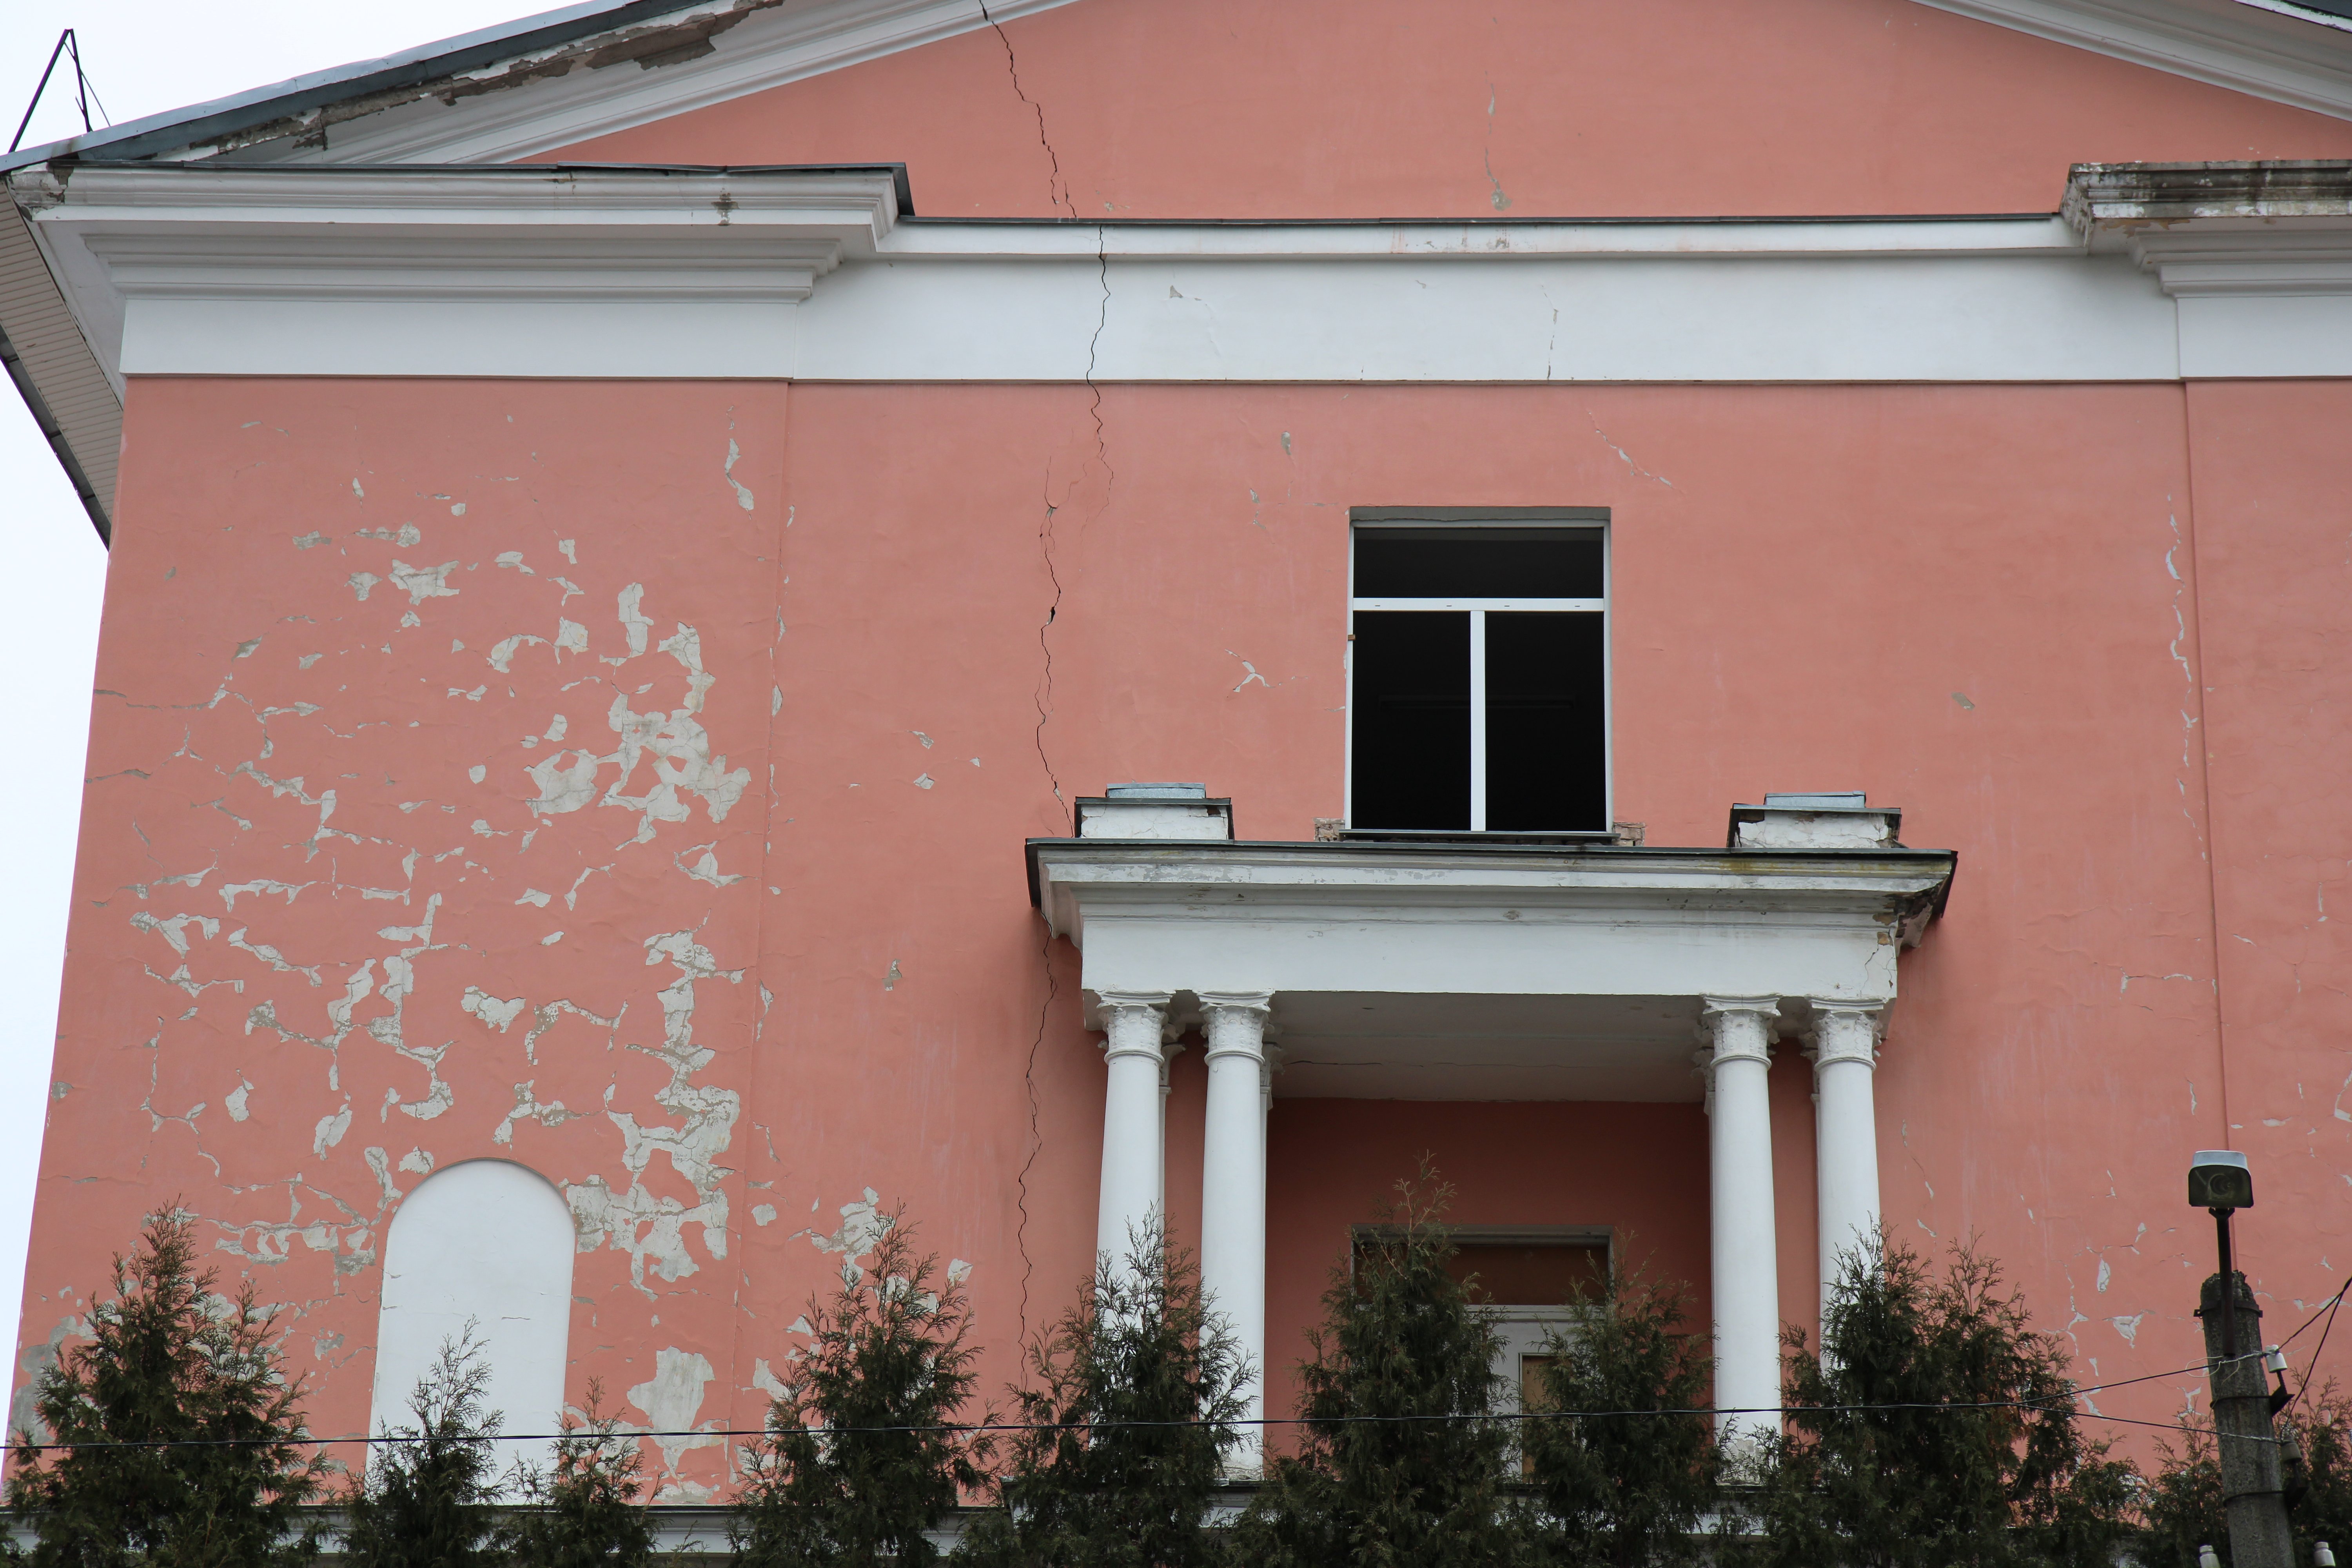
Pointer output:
x,y
1532,1284
1479,690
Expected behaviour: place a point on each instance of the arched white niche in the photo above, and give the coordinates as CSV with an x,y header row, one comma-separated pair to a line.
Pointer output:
x,y
491,1241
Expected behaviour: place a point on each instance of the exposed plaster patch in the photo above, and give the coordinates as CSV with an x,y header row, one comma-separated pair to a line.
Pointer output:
x,y
672,1402
706,869
863,1224
331,1129
645,1226
422,582
32,1361
496,1012
527,1107
734,455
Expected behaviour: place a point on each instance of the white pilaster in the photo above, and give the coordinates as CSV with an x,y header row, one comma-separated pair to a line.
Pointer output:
x,y
1134,1169
1233,1192
1846,1059
1739,1032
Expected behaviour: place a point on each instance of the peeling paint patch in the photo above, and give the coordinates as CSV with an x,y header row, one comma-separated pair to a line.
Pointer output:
x,y
331,1129
863,1224
31,1362
734,455
491,1010
648,1227
672,1401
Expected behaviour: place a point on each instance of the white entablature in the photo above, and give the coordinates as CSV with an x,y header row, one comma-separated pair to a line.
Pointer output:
x,y
1501,921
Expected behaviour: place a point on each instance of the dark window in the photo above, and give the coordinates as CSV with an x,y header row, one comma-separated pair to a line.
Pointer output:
x,y
1478,701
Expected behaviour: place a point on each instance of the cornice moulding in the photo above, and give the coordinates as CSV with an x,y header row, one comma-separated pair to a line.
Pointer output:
x,y
114,234
2210,230
1072,876
2291,57
769,49
1293,919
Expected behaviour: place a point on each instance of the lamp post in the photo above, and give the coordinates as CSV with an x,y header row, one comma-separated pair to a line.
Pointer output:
x,y
2252,1496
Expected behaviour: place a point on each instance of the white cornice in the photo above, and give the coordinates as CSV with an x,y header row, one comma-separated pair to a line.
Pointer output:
x,y
1410,918
2219,230
117,234
540,113
2288,57
222,268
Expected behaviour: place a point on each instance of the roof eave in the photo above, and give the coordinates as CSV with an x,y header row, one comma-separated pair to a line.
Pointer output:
x,y
205,124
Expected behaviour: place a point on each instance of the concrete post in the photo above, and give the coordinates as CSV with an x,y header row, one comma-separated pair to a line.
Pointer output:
x,y
2252,1492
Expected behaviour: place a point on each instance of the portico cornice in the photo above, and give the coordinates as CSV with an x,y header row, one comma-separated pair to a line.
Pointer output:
x,y
1068,878
1517,918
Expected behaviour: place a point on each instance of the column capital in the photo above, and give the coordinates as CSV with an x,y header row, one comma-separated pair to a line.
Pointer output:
x,y
1738,1028
1843,1030
1134,1022
1233,1022
1258,1002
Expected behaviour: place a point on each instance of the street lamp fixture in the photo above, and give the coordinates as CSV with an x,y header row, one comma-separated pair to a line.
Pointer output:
x,y
2221,1183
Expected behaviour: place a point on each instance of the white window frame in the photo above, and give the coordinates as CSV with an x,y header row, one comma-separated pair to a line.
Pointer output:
x,y
1364,520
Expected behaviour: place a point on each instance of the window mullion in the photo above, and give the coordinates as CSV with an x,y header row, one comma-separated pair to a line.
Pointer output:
x,y
1478,720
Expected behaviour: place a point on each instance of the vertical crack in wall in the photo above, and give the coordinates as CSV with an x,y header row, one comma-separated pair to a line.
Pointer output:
x,y
1036,1145
1057,192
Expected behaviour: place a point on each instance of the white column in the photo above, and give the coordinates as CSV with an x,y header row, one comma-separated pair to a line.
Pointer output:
x,y
1739,1034
1232,1193
1845,1058
1134,1027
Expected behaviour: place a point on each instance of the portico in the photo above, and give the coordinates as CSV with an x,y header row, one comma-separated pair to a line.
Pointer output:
x,y
1466,969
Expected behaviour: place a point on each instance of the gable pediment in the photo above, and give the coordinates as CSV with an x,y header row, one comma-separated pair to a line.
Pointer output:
x,y
543,84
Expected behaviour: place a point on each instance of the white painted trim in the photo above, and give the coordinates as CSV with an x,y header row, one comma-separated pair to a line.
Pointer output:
x,y
772,48
213,269
1424,918
2267,51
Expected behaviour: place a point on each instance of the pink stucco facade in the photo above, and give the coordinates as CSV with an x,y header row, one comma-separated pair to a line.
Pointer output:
x,y
627,776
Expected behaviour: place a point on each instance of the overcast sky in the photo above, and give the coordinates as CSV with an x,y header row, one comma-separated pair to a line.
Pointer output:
x,y
142,56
